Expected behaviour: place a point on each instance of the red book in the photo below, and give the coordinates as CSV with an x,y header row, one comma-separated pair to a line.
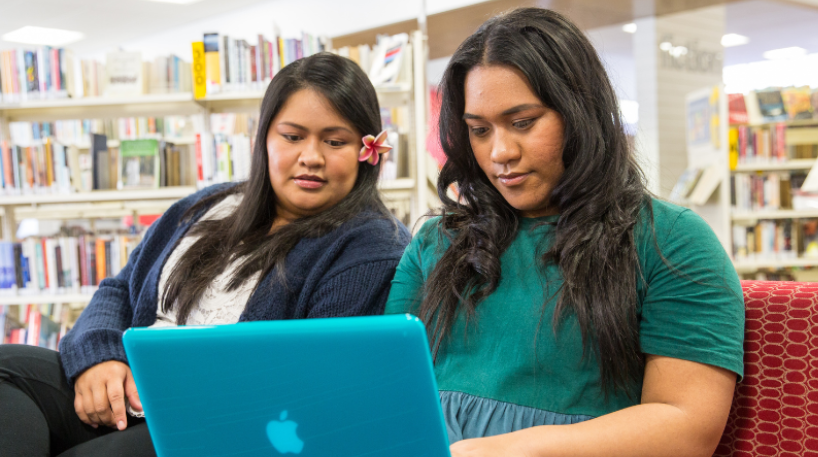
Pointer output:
x,y
199,156
781,140
8,171
33,333
55,69
45,263
737,109
253,66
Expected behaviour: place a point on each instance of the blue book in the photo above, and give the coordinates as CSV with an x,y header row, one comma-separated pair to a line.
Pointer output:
x,y
6,265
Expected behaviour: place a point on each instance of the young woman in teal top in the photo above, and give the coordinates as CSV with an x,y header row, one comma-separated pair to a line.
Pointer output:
x,y
570,313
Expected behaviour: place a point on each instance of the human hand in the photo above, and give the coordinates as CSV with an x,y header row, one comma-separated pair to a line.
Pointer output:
x,y
99,395
506,445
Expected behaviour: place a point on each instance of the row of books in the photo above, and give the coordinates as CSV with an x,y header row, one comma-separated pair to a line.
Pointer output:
x,y
776,240
76,132
773,105
383,62
35,325
62,264
40,168
232,158
93,78
231,64
766,192
35,74
758,144
766,144
50,167
76,155
766,240
226,155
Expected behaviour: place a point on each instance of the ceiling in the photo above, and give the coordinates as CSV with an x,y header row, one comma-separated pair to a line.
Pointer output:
x,y
106,21
112,23
769,24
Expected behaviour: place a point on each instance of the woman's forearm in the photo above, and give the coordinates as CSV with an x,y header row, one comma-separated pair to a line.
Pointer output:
x,y
646,430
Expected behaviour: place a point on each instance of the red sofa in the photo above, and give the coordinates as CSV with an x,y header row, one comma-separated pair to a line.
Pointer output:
x,y
775,409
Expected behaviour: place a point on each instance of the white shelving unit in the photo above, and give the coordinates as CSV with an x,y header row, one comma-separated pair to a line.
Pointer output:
x,y
790,165
10,204
414,195
797,133
750,266
779,214
81,299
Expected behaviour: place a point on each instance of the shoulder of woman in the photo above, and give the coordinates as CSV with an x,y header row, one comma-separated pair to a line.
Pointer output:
x,y
376,232
208,191
672,222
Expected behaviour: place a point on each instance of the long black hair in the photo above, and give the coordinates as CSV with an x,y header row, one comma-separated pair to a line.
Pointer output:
x,y
245,233
599,196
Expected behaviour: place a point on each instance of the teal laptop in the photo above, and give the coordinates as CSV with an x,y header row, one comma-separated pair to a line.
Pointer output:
x,y
343,387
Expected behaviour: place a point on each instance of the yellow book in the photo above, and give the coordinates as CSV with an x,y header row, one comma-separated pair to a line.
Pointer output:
x,y
49,163
199,72
212,64
733,140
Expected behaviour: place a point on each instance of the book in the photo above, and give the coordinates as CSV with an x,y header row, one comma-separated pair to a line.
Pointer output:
x,y
124,74
797,102
99,161
687,181
140,164
199,68
737,109
212,63
387,58
771,105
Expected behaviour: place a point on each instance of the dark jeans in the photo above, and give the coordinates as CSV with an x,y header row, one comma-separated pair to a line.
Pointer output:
x,y
37,417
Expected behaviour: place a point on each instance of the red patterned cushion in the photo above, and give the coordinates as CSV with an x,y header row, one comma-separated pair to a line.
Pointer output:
x,y
775,409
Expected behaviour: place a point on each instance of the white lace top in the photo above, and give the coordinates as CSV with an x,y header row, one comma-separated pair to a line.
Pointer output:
x,y
217,305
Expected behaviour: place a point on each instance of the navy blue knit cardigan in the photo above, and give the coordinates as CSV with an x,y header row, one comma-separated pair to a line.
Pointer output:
x,y
344,273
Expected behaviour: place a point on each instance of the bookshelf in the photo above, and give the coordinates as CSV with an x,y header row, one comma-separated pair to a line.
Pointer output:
x,y
770,157
774,214
409,197
752,266
795,164
42,299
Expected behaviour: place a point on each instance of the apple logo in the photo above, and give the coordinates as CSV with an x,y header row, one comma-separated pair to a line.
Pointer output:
x,y
283,436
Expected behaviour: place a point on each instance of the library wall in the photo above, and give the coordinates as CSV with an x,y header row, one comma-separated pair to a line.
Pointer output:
x,y
664,77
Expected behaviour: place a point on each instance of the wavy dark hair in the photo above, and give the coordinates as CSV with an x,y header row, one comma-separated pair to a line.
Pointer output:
x,y
600,196
245,233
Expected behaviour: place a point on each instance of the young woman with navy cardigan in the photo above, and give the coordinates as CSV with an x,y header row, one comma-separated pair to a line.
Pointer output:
x,y
570,312
306,236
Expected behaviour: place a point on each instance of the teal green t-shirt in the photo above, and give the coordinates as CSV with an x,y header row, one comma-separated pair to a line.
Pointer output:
x,y
510,353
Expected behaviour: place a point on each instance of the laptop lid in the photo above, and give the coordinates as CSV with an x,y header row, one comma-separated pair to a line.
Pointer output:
x,y
342,387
